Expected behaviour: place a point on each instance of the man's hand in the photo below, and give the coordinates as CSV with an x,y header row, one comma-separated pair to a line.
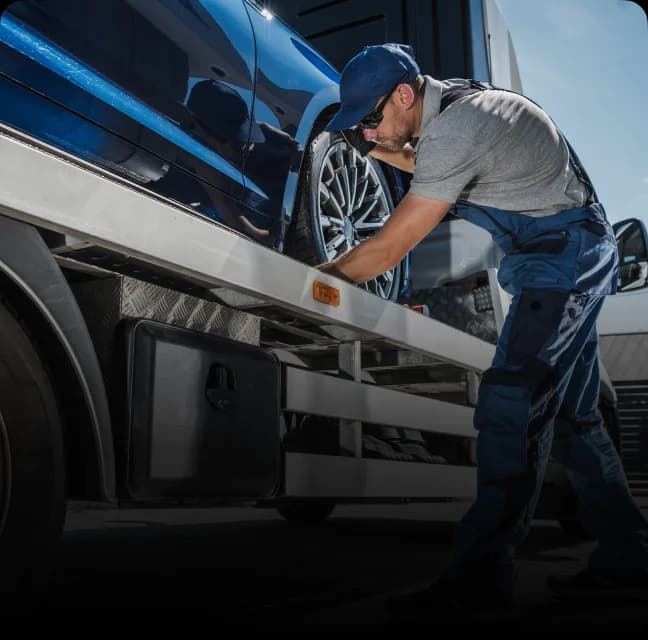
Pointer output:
x,y
355,138
332,269
408,224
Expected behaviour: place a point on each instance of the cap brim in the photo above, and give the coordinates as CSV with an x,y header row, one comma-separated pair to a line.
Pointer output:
x,y
256,135
346,118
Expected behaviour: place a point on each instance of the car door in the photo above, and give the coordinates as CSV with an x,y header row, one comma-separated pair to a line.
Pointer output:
x,y
157,90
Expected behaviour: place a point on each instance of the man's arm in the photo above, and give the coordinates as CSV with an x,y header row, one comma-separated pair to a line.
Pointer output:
x,y
403,159
408,224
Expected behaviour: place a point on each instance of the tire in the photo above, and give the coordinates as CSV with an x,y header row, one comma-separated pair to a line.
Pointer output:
x,y
32,471
306,512
342,200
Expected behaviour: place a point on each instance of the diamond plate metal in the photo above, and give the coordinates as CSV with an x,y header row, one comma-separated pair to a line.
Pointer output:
x,y
144,300
106,302
454,305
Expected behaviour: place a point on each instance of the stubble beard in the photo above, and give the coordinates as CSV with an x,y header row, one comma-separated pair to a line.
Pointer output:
x,y
396,142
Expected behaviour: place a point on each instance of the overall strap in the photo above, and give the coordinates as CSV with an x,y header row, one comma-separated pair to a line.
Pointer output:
x,y
450,95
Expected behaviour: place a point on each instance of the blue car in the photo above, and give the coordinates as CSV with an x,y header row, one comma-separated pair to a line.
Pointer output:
x,y
215,104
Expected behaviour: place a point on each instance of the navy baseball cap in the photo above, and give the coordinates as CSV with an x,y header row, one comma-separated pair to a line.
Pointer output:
x,y
369,75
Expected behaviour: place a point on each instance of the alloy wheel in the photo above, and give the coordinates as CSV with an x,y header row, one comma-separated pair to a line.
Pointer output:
x,y
352,207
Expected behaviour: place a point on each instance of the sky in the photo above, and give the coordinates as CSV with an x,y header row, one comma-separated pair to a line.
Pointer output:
x,y
586,63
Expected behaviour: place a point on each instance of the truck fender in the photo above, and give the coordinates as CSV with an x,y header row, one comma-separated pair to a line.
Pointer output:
x,y
28,263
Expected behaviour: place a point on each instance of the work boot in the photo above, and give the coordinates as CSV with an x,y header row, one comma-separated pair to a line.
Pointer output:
x,y
594,584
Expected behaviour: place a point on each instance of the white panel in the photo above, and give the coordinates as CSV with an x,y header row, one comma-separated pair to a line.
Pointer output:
x,y
625,312
308,392
625,356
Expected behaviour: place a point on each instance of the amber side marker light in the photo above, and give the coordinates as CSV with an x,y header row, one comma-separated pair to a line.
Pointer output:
x,y
326,293
423,309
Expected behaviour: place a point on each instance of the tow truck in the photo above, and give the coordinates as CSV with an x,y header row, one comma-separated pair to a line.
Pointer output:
x,y
139,370
152,356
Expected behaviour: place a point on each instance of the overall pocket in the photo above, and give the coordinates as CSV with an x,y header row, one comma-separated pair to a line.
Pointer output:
x,y
554,242
544,260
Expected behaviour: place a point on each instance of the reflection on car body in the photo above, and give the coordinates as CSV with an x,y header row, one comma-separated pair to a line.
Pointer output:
x,y
207,102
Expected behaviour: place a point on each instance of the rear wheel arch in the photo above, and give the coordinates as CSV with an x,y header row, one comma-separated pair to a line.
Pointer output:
x,y
46,305
83,474
32,460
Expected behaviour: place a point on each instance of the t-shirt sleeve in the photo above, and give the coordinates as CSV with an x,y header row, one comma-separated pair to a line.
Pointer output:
x,y
444,167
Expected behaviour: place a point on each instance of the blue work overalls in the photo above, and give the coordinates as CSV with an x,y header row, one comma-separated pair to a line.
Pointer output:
x,y
539,397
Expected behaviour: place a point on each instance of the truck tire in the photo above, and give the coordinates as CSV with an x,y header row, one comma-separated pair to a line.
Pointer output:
x,y
306,512
342,199
32,477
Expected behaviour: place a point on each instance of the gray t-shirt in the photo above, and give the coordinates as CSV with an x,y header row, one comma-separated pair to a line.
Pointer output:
x,y
493,148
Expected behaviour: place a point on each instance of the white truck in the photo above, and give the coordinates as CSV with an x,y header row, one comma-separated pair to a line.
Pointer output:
x,y
152,356
209,392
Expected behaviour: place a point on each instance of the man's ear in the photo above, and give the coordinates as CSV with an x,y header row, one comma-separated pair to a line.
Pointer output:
x,y
404,95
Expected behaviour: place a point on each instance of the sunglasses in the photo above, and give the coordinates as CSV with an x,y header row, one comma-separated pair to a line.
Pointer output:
x,y
375,116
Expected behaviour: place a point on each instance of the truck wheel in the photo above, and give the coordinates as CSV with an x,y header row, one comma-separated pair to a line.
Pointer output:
x,y
32,480
306,512
342,200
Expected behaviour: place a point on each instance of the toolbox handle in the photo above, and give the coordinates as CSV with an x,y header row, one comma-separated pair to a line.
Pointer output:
x,y
220,385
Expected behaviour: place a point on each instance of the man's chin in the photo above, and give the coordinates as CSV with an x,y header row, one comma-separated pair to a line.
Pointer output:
x,y
392,145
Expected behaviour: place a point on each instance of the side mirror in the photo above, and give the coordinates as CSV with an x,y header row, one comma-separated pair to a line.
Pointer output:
x,y
633,276
632,242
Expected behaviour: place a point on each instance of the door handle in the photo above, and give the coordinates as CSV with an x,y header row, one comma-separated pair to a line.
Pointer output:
x,y
221,386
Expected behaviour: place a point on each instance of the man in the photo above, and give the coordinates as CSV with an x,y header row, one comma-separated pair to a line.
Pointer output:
x,y
500,162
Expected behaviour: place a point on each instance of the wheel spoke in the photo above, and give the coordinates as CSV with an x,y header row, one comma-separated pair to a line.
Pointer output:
x,y
330,221
361,196
328,165
336,190
335,205
354,189
324,192
388,276
344,173
342,176
370,204
378,224
333,244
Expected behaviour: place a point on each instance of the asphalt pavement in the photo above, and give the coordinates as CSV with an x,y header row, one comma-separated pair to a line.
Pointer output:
x,y
248,565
